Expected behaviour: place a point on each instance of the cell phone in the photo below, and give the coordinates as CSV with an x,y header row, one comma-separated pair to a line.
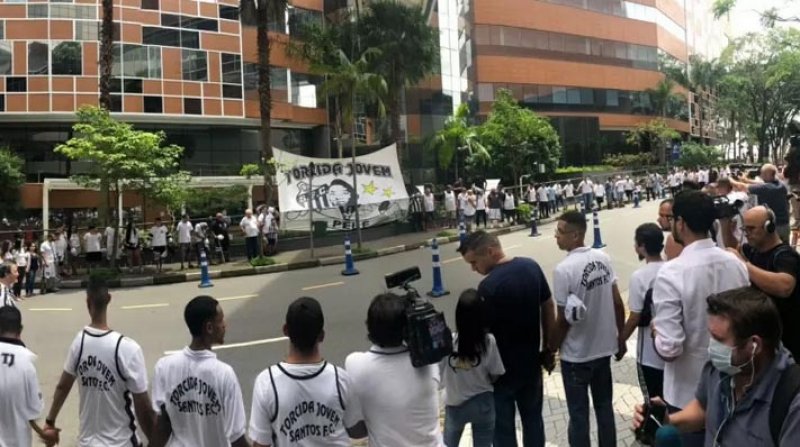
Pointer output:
x,y
654,415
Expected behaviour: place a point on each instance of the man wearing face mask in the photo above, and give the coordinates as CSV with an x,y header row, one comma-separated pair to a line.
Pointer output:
x,y
747,394
679,294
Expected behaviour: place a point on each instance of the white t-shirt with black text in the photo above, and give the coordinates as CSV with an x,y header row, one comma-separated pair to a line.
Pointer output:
x,y
464,380
587,273
107,367
400,403
202,398
20,396
315,405
642,280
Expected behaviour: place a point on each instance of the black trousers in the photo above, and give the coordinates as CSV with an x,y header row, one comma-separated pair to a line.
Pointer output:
x,y
480,215
654,379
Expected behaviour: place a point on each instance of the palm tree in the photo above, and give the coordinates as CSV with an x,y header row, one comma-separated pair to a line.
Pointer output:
x,y
261,12
106,61
662,96
457,136
700,76
409,51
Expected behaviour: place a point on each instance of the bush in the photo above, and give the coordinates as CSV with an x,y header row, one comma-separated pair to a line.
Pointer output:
x,y
630,160
362,250
262,261
446,233
103,274
584,169
523,212
250,170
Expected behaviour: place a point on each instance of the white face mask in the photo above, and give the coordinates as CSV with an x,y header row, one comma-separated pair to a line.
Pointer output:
x,y
721,356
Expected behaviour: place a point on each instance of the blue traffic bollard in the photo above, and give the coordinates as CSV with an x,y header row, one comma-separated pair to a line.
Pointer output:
x,y
598,241
205,280
534,230
438,285
462,231
636,199
349,267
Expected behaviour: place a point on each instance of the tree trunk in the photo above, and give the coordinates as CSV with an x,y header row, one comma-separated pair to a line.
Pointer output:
x,y
265,96
106,54
115,224
397,134
700,118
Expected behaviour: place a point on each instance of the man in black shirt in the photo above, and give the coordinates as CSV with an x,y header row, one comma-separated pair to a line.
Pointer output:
x,y
520,301
220,229
773,268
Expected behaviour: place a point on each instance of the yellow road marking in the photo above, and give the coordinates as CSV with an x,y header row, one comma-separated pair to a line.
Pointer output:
x,y
145,306
238,297
322,286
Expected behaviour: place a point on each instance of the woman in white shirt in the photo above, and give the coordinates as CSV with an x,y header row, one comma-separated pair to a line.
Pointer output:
x,y
468,375
469,209
22,258
599,194
480,208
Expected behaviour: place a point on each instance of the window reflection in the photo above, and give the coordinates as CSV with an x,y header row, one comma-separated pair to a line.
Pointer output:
x,y
67,58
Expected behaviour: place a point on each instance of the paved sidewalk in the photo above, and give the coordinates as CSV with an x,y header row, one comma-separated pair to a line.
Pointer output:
x,y
554,410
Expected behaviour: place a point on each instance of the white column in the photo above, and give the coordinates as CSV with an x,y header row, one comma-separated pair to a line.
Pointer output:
x,y
250,196
119,208
45,206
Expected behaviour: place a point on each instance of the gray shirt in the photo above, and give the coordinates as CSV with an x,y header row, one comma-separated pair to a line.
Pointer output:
x,y
748,424
774,195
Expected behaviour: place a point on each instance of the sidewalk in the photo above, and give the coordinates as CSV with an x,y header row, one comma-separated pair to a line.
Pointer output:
x,y
287,260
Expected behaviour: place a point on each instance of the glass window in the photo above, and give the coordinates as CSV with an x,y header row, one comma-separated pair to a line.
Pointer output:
x,y
2,103
557,42
150,4
511,37
73,12
300,17
231,91
573,96
559,95
134,61
587,96
195,66
482,35
2,30
612,98
541,40
496,35
37,58
190,39
304,89
116,66
485,93
152,35
16,84
133,85
116,103
545,93
87,30
37,11
172,20
231,68
153,104
228,12
5,58
199,23
67,58
115,85
192,106
153,62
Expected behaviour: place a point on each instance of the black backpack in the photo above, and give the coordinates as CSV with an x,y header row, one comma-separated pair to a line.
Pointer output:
x,y
785,392
646,316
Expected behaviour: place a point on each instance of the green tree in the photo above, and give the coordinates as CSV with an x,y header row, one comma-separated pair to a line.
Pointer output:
x,y
769,17
662,96
409,51
119,157
702,77
458,136
694,155
260,13
11,179
517,138
654,136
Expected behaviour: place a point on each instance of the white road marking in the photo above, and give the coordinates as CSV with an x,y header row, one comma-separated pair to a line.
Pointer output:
x,y
322,286
511,247
50,309
145,306
240,345
238,297
451,260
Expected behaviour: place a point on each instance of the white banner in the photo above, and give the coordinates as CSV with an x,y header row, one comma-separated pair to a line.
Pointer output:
x,y
381,194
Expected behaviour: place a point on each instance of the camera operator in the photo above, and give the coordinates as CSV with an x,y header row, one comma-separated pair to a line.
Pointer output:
x,y
743,398
730,208
773,268
679,294
519,302
400,403
772,193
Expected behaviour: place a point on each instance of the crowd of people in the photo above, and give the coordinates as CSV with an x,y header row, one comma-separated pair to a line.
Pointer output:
x,y
713,307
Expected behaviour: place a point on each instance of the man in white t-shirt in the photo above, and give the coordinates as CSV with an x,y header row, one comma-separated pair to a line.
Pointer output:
x,y
109,233
185,229
158,242
450,206
197,397
249,226
569,194
587,189
20,398
304,400
9,274
649,242
60,246
400,403
430,207
48,253
587,331
91,245
111,375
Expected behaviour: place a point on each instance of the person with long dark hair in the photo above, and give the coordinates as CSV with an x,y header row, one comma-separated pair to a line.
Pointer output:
x,y
469,374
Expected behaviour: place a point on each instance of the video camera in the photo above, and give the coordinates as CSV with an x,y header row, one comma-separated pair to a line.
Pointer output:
x,y
427,335
725,208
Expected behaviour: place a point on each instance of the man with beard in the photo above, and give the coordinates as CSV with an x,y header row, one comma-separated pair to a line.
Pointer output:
x,y
672,249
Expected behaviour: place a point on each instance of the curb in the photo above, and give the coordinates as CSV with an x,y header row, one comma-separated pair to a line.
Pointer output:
x,y
174,278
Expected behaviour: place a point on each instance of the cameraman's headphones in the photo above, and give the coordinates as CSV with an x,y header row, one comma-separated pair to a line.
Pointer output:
x,y
769,225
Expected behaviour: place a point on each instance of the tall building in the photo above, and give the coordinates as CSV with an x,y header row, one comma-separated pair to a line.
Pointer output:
x,y
183,66
587,64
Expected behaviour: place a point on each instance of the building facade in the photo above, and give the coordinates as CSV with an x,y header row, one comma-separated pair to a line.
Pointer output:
x,y
587,64
183,66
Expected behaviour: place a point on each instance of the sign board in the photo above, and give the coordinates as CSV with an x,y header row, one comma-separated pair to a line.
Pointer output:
x,y
492,183
380,193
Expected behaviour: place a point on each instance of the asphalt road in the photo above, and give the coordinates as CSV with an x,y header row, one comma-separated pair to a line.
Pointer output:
x,y
255,306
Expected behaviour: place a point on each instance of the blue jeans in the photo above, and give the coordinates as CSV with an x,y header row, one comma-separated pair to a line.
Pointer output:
x,y
578,378
587,202
527,396
478,411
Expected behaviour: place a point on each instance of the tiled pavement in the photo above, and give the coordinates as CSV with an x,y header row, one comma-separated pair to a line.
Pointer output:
x,y
554,410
